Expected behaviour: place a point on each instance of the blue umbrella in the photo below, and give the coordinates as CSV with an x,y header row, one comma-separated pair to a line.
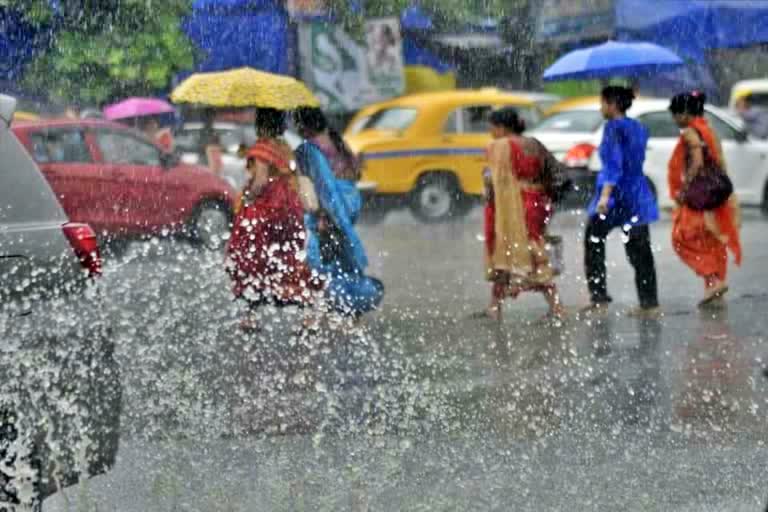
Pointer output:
x,y
613,59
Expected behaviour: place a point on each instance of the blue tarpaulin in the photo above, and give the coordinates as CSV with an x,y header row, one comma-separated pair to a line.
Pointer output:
x,y
237,33
19,42
415,54
691,27
414,18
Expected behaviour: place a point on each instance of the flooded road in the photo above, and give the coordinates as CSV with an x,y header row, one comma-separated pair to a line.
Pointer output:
x,y
423,408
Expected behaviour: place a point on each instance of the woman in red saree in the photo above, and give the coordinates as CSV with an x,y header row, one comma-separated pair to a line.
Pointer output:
x,y
518,210
265,252
702,239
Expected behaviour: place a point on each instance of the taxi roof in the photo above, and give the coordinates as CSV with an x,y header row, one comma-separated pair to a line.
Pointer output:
x,y
461,96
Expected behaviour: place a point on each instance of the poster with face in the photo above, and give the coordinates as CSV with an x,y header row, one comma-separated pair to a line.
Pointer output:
x,y
346,75
384,53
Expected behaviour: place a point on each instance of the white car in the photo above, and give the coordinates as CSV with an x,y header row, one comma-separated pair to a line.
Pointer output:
x,y
574,134
756,90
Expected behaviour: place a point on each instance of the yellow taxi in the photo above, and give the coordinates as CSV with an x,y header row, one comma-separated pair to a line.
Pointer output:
x,y
429,149
571,104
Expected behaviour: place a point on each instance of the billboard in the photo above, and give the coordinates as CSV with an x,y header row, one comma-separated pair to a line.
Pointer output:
x,y
346,75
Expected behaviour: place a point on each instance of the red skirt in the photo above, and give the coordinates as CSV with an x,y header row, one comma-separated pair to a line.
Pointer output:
x,y
265,252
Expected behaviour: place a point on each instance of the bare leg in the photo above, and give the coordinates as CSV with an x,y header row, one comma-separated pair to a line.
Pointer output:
x,y
556,308
714,289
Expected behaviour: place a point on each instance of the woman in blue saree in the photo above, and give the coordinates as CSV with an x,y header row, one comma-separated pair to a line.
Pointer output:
x,y
334,250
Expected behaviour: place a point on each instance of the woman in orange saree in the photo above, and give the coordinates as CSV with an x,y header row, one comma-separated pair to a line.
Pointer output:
x,y
517,214
701,238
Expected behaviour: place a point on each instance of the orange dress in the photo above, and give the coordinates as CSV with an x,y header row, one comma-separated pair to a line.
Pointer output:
x,y
702,238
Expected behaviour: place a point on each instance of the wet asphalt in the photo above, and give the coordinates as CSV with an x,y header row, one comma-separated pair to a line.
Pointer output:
x,y
423,408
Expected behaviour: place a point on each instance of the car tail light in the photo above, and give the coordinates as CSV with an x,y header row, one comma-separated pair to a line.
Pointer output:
x,y
579,155
83,241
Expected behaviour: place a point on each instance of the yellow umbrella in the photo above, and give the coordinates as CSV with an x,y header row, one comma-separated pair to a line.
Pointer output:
x,y
244,87
20,115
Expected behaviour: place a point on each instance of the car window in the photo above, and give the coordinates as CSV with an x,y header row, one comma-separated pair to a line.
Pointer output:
x,y
452,123
759,99
530,115
124,148
572,121
57,146
475,119
187,141
392,119
724,130
358,125
660,125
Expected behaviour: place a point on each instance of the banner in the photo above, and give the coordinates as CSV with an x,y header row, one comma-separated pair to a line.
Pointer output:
x,y
345,75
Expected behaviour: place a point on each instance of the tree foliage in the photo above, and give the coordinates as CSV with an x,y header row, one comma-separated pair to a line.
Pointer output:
x,y
101,50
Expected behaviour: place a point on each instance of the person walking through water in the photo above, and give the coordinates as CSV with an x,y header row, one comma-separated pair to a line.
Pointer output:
x,y
264,253
623,199
518,210
334,249
701,237
344,164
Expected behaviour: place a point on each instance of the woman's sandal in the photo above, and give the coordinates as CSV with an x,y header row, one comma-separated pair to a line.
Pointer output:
x,y
714,296
486,314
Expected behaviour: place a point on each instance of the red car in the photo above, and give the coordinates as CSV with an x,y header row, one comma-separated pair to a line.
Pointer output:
x,y
113,178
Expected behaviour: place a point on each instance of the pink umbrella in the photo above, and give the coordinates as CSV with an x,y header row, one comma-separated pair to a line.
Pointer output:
x,y
137,107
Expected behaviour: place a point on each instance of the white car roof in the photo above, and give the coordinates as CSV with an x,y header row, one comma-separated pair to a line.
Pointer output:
x,y
216,126
644,105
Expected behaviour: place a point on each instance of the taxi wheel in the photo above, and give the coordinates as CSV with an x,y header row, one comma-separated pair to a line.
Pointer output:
x,y
437,198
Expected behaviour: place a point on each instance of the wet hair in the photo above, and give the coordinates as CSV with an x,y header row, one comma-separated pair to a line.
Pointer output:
x,y
617,95
146,121
269,122
691,103
508,118
312,121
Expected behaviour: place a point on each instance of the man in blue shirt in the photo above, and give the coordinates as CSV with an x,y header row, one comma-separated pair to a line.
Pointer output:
x,y
623,200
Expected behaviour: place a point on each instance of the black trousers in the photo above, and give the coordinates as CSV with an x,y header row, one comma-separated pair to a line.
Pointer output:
x,y
638,248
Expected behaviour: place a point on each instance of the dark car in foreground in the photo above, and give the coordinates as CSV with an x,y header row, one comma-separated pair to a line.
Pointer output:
x,y
61,397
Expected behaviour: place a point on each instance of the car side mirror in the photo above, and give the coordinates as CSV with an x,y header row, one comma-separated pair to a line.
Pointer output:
x,y
742,136
7,108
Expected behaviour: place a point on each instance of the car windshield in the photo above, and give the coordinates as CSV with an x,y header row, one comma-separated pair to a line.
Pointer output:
x,y
572,121
395,119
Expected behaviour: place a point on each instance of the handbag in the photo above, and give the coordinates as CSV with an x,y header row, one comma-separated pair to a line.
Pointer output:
x,y
711,187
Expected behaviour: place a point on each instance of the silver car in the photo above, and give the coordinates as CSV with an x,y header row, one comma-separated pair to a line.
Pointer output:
x,y
61,397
